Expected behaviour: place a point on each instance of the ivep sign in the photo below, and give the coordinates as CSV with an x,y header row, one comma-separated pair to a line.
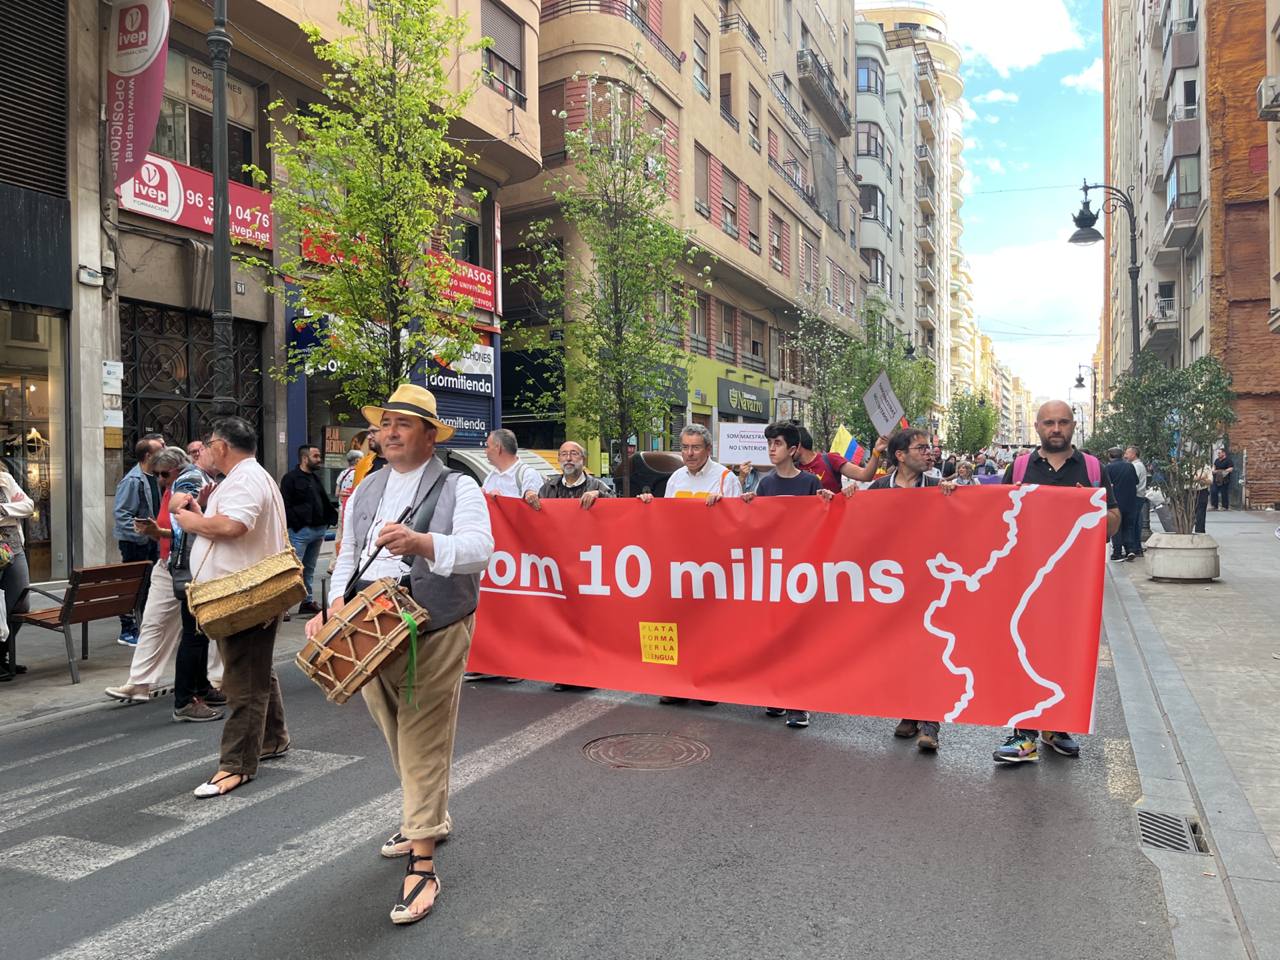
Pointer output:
x,y
132,33
135,81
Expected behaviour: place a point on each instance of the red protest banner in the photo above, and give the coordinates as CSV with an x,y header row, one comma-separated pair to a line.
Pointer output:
x,y
983,607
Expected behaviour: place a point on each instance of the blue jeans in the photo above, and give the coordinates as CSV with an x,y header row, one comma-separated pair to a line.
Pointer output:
x,y
306,544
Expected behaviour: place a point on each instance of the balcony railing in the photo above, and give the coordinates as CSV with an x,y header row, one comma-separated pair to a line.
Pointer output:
x,y
807,193
1184,111
727,115
616,8
815,73
924,113
848,173
792,113
924,154
924,234
1164,308
740,23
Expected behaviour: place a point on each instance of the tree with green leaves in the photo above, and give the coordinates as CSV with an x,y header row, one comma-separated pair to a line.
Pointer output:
x,y
610,295
366,189
824,352
1174,416
882,348
971,423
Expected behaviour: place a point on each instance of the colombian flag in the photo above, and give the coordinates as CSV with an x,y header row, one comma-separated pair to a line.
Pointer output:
x,y
847,446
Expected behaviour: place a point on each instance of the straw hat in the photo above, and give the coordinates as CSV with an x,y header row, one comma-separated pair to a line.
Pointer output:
x,y
414,400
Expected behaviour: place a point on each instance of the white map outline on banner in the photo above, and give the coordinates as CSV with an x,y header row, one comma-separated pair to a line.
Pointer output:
x,y
950,572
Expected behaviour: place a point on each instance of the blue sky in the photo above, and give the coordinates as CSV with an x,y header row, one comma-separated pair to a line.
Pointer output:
x,y
1033,107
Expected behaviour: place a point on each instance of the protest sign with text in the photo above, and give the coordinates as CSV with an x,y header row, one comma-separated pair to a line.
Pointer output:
x,y
855,606
883,406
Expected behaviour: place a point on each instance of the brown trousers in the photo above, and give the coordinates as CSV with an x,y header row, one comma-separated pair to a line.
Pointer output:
x,y
420,735
255,711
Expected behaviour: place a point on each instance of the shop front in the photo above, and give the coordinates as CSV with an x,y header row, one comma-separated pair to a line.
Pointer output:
x,y
723,393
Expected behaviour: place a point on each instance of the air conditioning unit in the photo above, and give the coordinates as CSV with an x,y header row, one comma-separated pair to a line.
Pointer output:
x,y
1269,99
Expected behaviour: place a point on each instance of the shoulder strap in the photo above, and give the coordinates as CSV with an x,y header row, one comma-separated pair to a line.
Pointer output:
x,y
421,519
1094,469
1020,467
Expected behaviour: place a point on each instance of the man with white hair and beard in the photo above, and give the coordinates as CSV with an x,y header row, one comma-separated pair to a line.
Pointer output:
x,y
574,483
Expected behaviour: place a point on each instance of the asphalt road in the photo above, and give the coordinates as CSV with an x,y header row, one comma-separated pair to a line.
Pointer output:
x,y
836,841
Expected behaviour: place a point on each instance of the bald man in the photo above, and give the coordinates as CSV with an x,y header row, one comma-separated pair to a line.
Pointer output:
x,y
574,483
1055,463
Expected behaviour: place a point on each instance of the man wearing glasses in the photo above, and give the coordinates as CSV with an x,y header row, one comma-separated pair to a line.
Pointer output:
x,y
701,478
574,483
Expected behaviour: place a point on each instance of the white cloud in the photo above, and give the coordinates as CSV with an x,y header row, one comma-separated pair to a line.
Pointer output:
x,y
996,96
967,113
970,182
991,163
991,118
1088,80
1049,286
972,143
1012,35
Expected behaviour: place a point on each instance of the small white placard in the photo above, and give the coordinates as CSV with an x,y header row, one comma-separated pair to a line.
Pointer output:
x,y
883,406
112,376
113,418
742,443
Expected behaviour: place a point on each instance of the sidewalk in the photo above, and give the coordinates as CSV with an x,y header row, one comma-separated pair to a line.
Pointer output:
x,y
1223,637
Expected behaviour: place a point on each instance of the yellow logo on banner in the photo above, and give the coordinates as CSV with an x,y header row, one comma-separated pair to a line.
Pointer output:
x,y
659,642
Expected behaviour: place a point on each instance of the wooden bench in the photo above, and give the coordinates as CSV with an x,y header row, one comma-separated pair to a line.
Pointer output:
x,y
92,593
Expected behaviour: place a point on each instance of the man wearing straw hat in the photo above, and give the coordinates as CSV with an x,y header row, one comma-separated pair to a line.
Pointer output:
x,y
440,562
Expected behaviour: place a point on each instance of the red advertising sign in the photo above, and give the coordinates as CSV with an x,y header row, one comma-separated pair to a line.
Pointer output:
x,y
474,282
137,49
183,195
983,607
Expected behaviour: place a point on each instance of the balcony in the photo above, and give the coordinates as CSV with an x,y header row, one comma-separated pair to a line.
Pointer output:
x,y
1180,219
927,277
792,113
1160,332
817,80
1156,167
925,237
806,193
928,80
555,9
925,197
1181,48
848,175
727,116
1182,140
740,23
924,157
927,121
926,318
1156,93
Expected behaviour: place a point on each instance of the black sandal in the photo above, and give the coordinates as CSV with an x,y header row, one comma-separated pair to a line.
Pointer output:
x,y
401,913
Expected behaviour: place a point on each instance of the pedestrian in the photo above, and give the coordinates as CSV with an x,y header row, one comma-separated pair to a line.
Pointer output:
x,y
1202,481
137,497
910,458
510,477
440,558
309,513
161,630
242,525
830,467
574,483
1057,463
1131,453
345,483
787,480
699,478
964,474
15,577
935,464
1223,469
983,467
748,476
949,466
1124,483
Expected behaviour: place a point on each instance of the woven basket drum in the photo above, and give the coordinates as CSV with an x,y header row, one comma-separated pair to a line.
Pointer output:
x,y
249,597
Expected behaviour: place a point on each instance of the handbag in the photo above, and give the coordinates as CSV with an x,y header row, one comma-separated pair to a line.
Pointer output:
x,y
250,597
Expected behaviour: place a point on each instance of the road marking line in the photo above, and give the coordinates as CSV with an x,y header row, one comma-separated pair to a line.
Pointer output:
x,y
71,858
58,753
45,786
161,928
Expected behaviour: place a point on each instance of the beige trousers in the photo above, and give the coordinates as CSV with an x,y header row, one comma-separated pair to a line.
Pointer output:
x,y
420,735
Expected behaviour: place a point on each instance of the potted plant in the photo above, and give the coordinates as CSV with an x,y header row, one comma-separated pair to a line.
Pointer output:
x,y
1175,416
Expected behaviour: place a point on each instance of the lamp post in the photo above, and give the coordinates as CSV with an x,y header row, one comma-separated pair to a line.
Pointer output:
x,y
1093,392
219,41
1086,234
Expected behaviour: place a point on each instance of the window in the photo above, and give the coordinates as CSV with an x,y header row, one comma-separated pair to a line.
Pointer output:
x,y
502,63
902,291
701,68
726,94
870,76
1197,345
729,204
755,335
185,129
753,117
786,18
1183,190
888,163
550,103
775,242
753,222
1195,275
728,326
844,31
805,42
870,139
873,207
701,191
874,260
698,330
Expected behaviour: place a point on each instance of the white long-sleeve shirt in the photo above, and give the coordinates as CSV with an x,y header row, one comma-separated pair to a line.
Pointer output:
x,y
466,550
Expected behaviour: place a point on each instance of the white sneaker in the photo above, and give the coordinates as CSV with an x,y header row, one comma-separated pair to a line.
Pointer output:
x,y
130,692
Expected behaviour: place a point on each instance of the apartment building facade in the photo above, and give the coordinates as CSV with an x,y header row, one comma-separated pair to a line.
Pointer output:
x,y
1179,130
106,329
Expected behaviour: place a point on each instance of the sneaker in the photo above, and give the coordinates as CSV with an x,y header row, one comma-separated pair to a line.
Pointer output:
x,y
197,712
928,739
128,638
569,688
130,692
1063,743
471,675
905,729
1019,748
309,606
797,719
214,697
775,711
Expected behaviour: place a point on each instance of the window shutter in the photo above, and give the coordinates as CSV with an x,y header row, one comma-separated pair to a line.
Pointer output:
x,y
33,96
506,32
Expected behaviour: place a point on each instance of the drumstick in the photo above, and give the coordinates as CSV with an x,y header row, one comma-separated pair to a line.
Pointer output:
x,y
355,577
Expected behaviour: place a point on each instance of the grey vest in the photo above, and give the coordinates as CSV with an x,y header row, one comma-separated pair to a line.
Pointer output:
x,y
447,599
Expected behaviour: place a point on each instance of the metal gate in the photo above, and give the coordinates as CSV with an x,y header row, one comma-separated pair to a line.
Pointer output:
x,y
168,372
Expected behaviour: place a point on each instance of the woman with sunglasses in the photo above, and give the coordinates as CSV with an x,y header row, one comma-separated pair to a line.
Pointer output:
x,y
161,617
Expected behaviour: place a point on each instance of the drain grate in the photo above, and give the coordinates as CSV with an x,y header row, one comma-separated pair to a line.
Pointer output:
x,y
1167,832
646,751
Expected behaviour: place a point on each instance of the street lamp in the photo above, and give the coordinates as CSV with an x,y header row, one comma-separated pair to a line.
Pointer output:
x,y
1087,234
219,41
1093,391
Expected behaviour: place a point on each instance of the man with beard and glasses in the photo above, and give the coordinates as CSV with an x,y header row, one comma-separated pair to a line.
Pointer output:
x,y
1056,463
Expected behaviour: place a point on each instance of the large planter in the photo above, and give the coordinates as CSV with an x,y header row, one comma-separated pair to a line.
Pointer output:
x,y
1187,557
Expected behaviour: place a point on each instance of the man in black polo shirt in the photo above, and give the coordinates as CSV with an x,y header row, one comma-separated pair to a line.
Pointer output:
x,y
1056,463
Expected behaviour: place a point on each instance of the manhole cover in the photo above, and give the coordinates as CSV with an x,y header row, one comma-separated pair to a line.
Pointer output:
x,y
1167,832
646,751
